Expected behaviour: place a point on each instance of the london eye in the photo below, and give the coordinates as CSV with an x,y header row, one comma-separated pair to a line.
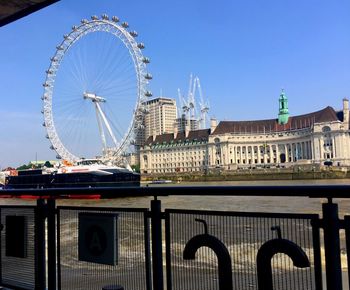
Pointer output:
x,y
95,90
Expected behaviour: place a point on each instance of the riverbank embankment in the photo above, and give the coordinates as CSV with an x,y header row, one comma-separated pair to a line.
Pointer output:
x,y
296,173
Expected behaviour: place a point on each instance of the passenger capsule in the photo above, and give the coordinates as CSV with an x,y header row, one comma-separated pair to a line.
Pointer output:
x,y
47,136
148,76
115,19
52,148
148,94
125,24
133,33
74,27
146,60
140,45
58,157
84,21
94,17
42,111
46,85
59,47
44,125
49,72
53,59
105,17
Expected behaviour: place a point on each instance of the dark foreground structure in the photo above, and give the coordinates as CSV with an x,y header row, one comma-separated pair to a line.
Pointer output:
x,y
45,246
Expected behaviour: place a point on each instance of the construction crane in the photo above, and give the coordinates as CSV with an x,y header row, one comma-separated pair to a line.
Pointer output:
x,y
189,105
184,104
204,106
191,97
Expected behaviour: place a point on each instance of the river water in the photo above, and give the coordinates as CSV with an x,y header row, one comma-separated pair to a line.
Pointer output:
x,y
234,203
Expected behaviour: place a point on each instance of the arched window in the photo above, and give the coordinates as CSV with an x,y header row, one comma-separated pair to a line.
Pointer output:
x,y
326,129
327,143
217,150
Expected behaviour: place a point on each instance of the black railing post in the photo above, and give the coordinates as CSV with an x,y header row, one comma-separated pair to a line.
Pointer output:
x,y
40,259
51,244
332,245
157,248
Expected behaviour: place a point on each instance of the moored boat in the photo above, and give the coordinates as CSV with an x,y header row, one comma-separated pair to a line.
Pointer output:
x,y
86,173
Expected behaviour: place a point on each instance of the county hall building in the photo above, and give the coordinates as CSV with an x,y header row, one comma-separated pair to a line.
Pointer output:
x,y
320,137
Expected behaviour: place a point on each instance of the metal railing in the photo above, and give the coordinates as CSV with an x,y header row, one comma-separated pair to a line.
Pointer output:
x,y
45,246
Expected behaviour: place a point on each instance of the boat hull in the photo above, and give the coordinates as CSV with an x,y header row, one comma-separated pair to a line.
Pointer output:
x,y
69,180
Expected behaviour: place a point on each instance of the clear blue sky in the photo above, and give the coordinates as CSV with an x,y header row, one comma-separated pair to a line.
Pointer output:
x,y
244,52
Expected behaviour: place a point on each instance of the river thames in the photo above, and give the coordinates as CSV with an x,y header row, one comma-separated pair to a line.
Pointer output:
x,y
224,203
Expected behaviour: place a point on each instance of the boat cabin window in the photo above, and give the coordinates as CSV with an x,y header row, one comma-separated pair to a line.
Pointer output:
x,y
89,162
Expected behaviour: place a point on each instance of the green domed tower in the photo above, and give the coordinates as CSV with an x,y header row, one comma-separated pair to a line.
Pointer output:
x,y
283,114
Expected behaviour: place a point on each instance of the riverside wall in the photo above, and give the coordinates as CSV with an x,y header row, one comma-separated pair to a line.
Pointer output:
x,y
296,173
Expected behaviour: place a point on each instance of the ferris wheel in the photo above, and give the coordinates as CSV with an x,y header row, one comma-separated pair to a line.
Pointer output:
x,y
95,91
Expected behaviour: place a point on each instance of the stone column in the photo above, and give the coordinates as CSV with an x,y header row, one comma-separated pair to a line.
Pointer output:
x,y
313,149
240,154
224,154
271,153
286,152
213,156
334,147
234,154
253,155
259,155
297,150
321,148
291,152
227,154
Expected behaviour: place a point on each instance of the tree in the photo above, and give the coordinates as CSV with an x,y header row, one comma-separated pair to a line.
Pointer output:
x,y
48,164
24,167
136,168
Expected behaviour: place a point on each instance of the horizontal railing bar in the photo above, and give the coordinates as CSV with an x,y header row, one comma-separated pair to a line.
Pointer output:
x,y
99,209
242,214
312,191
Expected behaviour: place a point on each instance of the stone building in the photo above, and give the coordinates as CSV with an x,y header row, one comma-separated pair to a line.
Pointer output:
x,y
320,137
175,152
159,119
162,113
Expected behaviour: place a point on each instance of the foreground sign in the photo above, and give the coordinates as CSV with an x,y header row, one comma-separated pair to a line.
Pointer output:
x,y
98,238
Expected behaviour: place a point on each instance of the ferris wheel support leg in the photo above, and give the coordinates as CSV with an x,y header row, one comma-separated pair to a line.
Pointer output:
x,y
100,128
106,123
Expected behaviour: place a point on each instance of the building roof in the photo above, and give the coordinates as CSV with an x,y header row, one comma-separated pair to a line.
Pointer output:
x,y
193,136
161,100
327,114
11,10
